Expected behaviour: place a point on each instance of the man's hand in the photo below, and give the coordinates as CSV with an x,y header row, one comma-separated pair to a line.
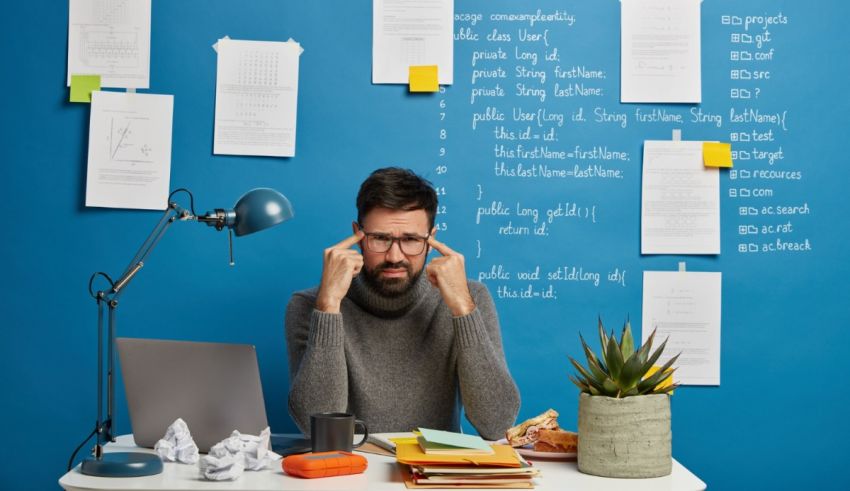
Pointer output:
x,y
449,275
341,264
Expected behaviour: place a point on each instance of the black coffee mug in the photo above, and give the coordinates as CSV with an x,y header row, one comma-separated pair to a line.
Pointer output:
x,y
335,431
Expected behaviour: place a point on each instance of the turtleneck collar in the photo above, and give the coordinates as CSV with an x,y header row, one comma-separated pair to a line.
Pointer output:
x,y
375,303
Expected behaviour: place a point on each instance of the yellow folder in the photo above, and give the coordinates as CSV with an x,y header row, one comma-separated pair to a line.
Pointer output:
x,y
411,454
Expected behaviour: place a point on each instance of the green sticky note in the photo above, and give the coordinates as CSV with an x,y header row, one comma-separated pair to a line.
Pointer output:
x,y
82,86
456,440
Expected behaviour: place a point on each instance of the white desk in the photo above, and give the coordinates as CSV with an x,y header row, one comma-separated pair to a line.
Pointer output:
x,y
382,475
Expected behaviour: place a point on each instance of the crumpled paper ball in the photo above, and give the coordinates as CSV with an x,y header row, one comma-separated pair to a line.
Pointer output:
x,y
177,445
229,458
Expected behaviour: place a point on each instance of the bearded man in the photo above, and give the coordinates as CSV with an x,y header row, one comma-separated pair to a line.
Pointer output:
x,y
398,343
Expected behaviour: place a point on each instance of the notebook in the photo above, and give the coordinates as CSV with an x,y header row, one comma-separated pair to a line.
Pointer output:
x,y
214,387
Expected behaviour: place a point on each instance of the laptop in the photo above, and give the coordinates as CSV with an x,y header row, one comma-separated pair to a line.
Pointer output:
x,y
214,387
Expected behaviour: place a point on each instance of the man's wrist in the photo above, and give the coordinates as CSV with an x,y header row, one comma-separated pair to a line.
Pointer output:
x,y
327,305
462,308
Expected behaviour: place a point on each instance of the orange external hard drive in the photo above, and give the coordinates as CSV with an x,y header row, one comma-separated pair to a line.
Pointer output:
x,y
324,464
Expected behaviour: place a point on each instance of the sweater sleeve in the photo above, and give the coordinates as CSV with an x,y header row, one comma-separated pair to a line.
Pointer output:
x,y
488,392
318,375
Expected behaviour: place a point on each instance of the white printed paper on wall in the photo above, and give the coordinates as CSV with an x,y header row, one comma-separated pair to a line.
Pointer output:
x,y
129,164
680,200
110,38
256,97
409,33
660,51
685,306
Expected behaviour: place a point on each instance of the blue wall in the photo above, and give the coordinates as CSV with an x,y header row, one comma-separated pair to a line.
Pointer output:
x,y
777,420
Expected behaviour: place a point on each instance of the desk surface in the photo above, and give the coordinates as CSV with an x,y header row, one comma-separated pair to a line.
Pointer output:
x,y
383,474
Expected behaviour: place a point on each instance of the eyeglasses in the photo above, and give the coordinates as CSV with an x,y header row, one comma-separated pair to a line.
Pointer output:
x,y
411,245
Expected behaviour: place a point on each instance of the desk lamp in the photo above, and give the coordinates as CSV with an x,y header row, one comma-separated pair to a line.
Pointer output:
x,y
256,210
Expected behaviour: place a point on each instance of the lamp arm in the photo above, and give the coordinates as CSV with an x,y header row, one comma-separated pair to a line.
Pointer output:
x,y
110,374
99,424
146,244
172,213
105,427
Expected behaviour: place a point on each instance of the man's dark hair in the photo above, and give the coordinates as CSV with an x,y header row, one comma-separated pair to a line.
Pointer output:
x,y
396,189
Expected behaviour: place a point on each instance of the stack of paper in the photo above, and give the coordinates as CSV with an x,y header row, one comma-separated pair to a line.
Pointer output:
x,y
461,463
472,477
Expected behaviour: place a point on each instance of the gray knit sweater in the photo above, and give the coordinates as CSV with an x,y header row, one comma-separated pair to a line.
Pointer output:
x,y
400,363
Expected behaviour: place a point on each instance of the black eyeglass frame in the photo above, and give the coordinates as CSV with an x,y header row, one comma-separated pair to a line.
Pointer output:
x,y
393,240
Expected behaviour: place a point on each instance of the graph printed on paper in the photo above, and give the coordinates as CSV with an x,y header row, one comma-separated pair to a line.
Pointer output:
x,y
129,140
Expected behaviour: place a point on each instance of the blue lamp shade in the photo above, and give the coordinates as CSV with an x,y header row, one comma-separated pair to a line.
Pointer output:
x,y
259,209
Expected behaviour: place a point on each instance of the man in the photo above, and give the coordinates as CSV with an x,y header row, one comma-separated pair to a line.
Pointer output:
x,y
398,348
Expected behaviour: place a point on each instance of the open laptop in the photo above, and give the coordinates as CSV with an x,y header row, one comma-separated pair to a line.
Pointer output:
x,y
214,387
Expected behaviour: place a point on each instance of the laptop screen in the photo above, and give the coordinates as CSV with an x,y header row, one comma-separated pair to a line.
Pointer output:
x,y
214,387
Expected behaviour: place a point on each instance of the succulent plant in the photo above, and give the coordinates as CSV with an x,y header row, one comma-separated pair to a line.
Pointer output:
x,y
622,369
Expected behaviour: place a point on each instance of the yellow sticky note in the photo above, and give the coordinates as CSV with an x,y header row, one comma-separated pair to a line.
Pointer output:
x,y
716,154
666,383
82,86
423,78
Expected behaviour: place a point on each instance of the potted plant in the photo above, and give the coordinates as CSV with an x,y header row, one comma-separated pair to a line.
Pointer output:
x,y
624,408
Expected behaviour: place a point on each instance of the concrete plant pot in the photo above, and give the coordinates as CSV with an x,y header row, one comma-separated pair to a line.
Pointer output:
x,y
628,437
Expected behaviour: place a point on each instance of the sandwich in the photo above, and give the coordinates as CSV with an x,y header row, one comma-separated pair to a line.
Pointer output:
x,y
556,441
528,431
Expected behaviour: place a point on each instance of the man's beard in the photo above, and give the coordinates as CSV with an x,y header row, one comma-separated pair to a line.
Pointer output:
x,y
390,287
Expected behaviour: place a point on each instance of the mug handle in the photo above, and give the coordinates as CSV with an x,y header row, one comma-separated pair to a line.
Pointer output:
x,y
365,432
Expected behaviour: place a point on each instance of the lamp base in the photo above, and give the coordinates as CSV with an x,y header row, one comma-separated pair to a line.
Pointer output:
x,y
122,464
